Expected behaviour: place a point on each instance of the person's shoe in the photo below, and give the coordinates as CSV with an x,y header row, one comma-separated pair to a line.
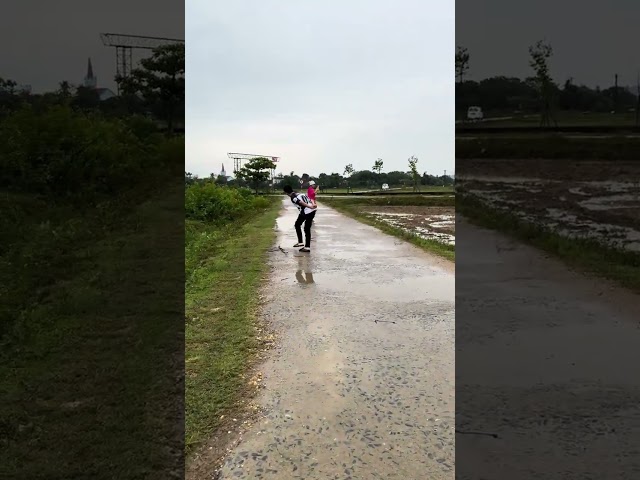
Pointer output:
x,y
305,249
298,245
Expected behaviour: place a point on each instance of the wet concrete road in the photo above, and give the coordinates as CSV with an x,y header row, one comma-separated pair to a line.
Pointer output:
x,y
346,397
547,359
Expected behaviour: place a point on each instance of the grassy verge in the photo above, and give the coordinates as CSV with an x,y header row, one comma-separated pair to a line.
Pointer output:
x,y
549,147
408,201
423,188
571,118
90,359
353,209
224,270
587,255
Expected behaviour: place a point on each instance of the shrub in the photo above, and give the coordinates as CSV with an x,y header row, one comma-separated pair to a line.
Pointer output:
x,y
213,203
66,153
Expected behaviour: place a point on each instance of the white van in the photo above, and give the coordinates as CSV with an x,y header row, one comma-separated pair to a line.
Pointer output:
x,y
474,113
385,186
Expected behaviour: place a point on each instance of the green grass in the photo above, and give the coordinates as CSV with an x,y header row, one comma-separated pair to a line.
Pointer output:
x,y
549,147
354,210
570,118
423,188
225,267
392,200
622,267
90,363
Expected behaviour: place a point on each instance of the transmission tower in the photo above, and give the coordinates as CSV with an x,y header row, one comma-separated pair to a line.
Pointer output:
x,y
124,45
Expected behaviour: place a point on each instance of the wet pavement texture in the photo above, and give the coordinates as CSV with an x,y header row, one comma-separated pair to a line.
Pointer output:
x,y
361,385
546,359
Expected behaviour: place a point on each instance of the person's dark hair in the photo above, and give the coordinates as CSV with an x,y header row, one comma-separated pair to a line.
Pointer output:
x,y
287,189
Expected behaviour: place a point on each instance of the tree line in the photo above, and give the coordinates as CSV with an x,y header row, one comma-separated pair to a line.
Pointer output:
x,y
537,93
154,90
256,174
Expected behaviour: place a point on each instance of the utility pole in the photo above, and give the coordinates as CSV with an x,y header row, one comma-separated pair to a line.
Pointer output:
x,y
638,99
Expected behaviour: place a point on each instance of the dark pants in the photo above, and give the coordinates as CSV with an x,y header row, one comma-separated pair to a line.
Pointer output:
x,y
307,219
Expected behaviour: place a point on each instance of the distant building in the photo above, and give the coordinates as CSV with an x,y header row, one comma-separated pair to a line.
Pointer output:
x,y
223,173
91,81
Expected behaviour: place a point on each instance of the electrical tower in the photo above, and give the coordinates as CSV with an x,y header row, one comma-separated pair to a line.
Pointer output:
x,y
124,45
238,158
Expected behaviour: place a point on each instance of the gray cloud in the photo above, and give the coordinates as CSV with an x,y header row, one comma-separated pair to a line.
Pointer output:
x,y
320,84
592,41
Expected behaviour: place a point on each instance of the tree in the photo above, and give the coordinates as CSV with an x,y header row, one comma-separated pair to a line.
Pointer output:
x,y
257,171
415,176
8,86
348,171
220,179
86,98
290,179
377,167
64,90
462,63
160,81
539,61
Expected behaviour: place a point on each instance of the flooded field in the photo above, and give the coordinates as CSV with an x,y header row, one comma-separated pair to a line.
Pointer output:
x,y
433,223
595,200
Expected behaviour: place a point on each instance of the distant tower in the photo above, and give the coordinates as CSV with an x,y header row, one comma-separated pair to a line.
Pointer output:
x,y
89,80
222,172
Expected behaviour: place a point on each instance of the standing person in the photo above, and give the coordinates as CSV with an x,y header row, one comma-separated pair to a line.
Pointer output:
x,y
306,215
311,192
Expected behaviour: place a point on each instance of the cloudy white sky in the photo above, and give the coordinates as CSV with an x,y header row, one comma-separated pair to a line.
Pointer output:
x,y
320,84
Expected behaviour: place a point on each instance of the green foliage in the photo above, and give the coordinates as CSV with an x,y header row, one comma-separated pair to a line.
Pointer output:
x,y
86,201
447,200
160,81
413,169
502,96
214,203
65,153
67,176
377,166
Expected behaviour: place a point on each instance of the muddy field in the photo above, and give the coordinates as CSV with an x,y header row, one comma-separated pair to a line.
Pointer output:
x,y
433,223
595,200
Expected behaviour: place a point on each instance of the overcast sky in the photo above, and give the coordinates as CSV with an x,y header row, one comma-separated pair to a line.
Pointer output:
x,y
592,41
45,42
320,84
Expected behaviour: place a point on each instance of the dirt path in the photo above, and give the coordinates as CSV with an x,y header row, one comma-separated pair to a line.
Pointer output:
x,y
567,403
347,397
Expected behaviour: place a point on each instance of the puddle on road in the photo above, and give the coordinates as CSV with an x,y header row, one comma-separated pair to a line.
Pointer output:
x,y
386,288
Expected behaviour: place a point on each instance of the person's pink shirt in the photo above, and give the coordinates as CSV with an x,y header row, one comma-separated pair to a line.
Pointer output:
x,y
311,193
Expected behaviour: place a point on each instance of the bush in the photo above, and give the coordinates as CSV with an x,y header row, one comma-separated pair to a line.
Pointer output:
x,y
209,202
65,153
